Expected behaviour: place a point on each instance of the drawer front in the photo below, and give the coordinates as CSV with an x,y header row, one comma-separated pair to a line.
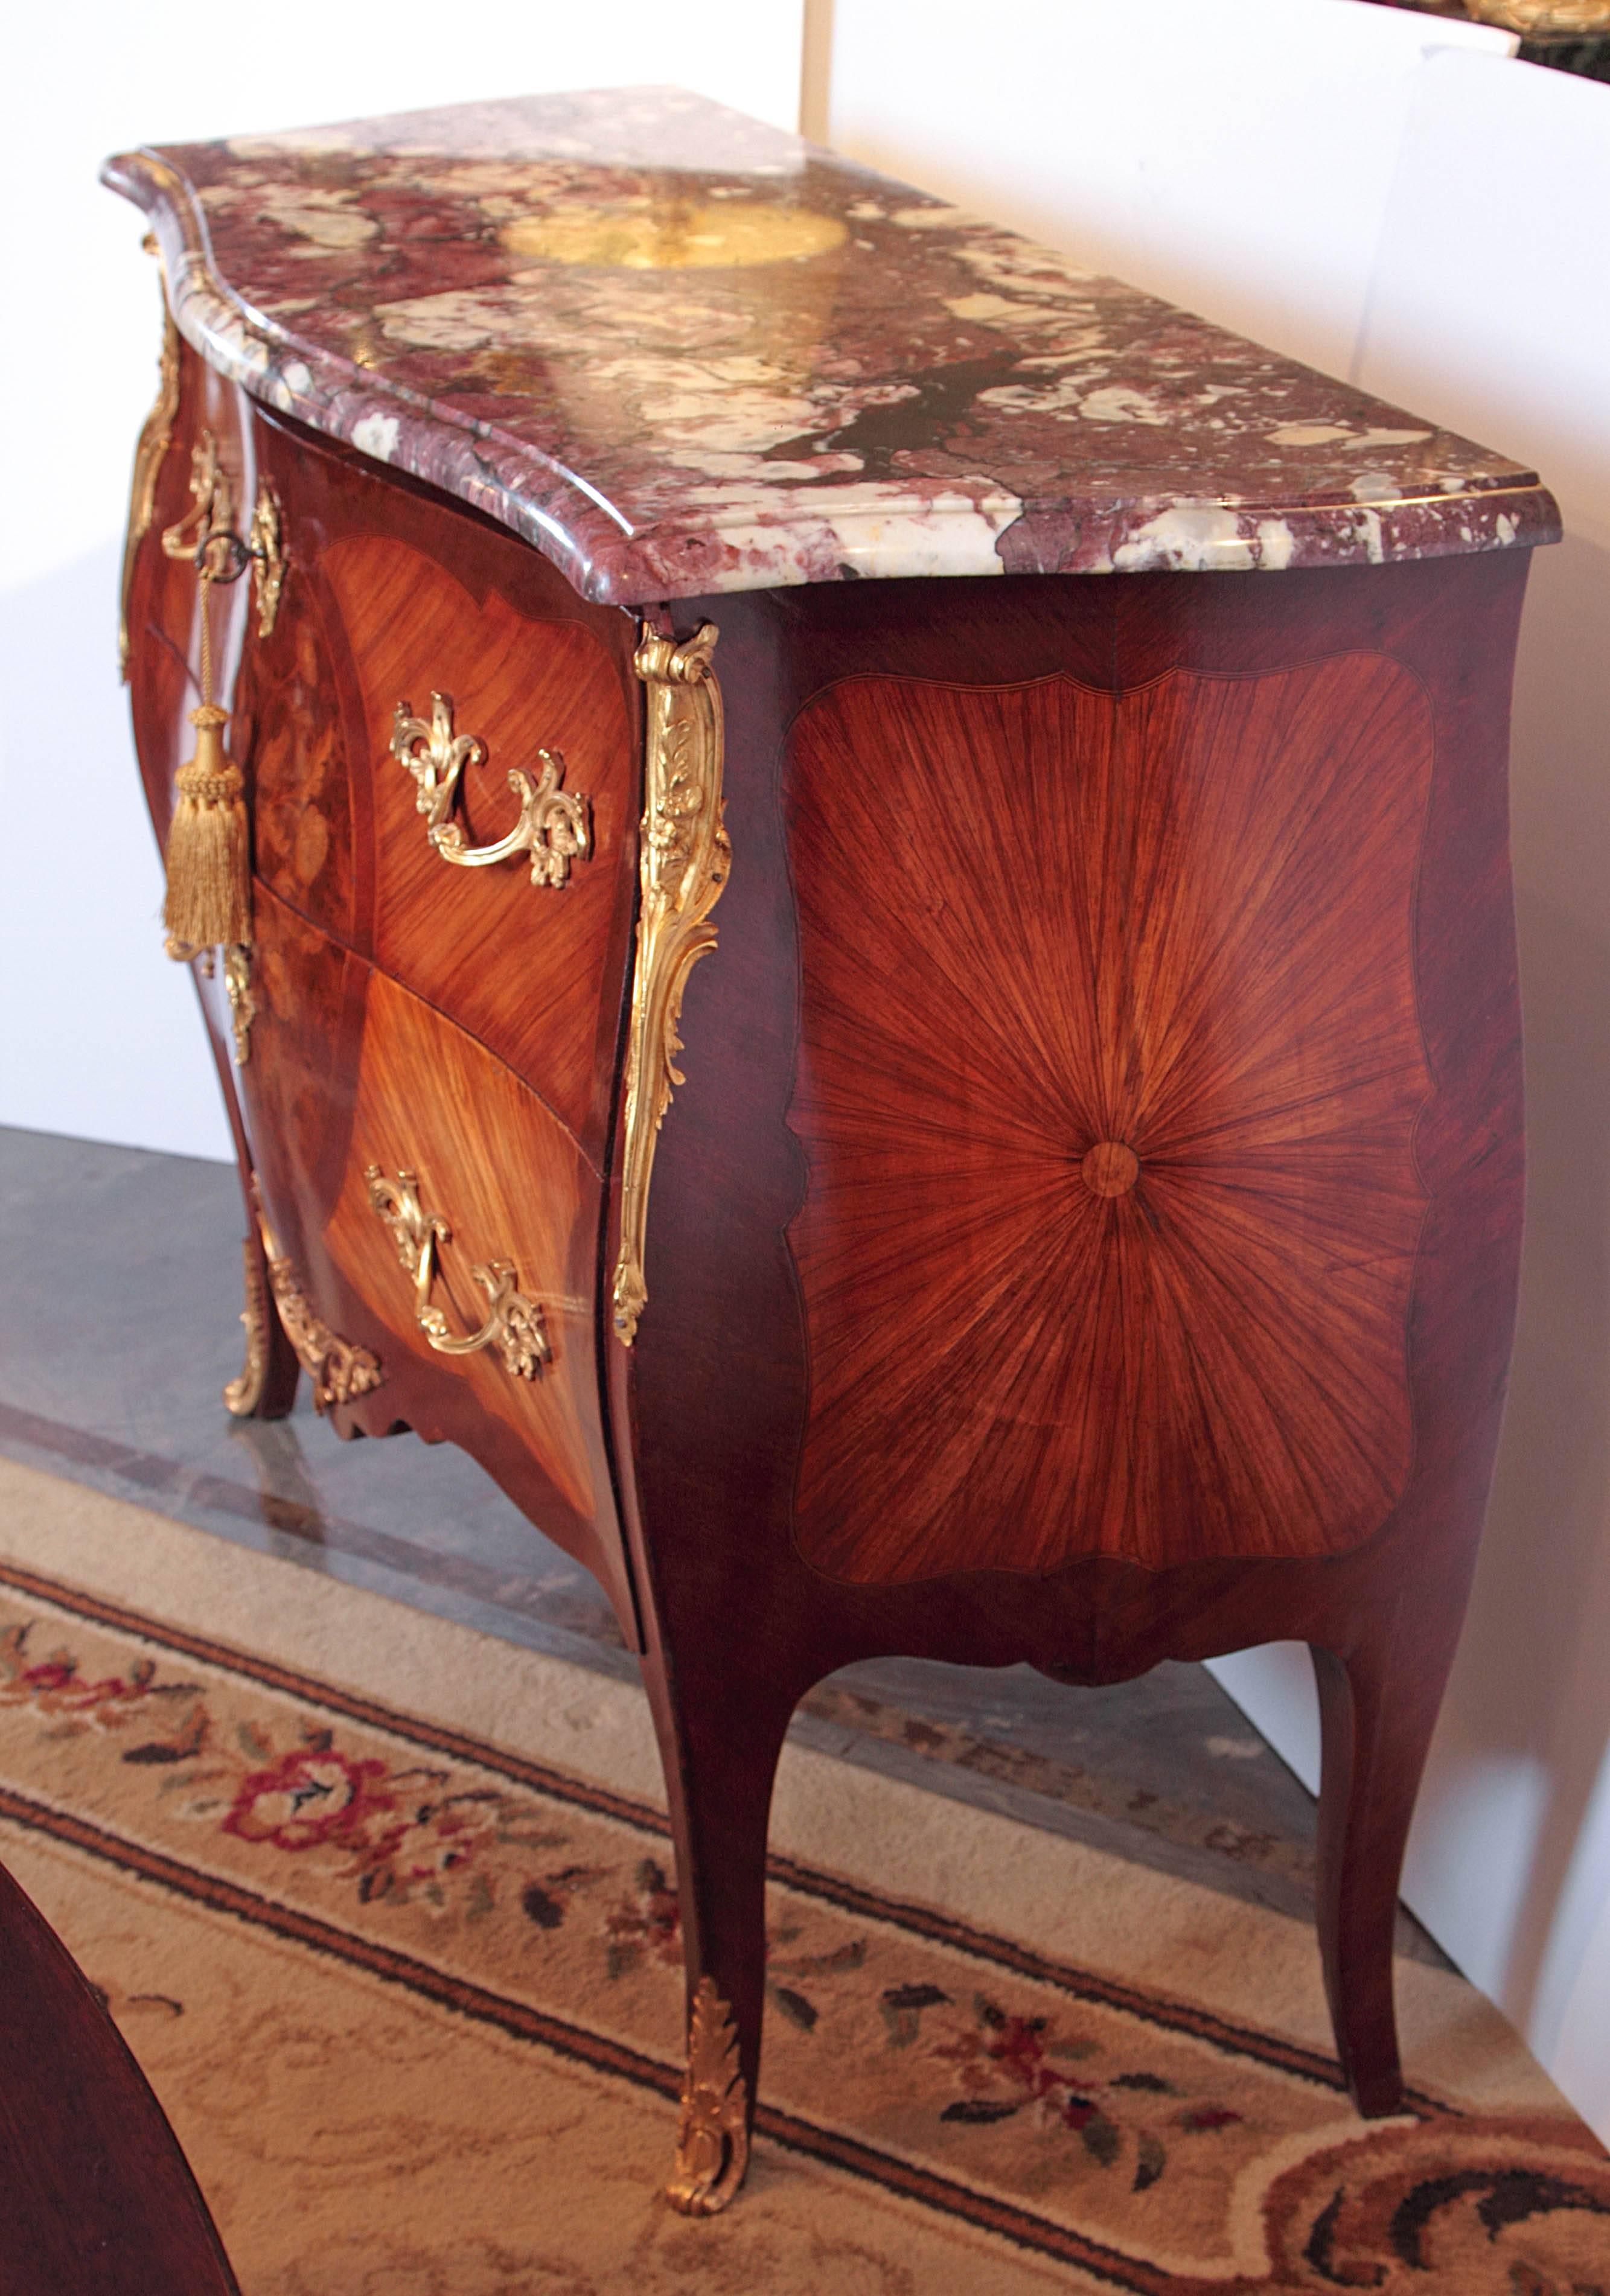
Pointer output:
x,y
299,1028
510,1186
392,599
350,1079
526,965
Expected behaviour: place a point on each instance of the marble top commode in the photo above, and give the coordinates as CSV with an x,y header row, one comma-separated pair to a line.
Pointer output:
x,y
681,353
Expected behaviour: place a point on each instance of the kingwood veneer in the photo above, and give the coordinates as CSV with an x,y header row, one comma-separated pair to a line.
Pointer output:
x,y
1084,1224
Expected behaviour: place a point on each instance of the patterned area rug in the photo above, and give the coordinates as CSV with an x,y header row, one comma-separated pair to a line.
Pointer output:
x,y
412,2000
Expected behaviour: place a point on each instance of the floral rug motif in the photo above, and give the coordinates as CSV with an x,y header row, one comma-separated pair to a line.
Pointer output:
x,y
1103,2137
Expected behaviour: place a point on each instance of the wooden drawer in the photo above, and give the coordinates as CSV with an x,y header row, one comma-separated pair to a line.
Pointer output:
x,y
394,597
350,1075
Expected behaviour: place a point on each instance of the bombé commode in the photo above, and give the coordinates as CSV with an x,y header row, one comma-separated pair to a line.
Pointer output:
x,y
972,1110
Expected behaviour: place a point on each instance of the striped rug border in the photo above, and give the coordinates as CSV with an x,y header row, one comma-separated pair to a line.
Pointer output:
x,y
519,2021
1166,2013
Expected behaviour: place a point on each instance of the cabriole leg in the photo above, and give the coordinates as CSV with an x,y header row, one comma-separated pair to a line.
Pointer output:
x,y
267,1386
1378,1703
719,1737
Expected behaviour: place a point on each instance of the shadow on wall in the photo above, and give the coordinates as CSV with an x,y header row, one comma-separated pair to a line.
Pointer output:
x,y
98,1032
1539,1623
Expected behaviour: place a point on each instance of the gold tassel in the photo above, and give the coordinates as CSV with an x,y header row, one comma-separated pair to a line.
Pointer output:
x,y
208,859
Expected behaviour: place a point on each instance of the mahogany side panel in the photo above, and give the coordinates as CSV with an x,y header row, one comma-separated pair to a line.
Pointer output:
x,y
712,1404
163,651
1108,1076
309,994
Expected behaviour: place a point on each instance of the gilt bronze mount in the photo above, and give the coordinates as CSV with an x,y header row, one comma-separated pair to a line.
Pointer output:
x,y
514,1322
553,826
682,867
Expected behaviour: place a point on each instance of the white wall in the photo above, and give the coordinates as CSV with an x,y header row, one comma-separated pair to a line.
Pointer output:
x,y
98,1034
1491,310
1233,155
1390,196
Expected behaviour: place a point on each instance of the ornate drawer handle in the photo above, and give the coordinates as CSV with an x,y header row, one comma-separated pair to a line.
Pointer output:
x,y
553,826
513,1321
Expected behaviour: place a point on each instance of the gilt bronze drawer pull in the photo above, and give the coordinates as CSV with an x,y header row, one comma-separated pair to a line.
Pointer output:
x,y
553,826
514,1322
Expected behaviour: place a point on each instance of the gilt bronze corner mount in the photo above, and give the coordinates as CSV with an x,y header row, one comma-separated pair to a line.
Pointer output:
x,y
683,865
713,2138
341,1369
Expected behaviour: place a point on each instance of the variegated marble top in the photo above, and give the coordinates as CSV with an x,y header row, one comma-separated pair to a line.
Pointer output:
x,y
681,352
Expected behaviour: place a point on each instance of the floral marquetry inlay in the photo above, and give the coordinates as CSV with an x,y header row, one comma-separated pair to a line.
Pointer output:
x,y
1112,1209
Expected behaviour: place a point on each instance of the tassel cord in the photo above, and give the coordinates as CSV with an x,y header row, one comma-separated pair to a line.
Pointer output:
x,y
204,584
209,899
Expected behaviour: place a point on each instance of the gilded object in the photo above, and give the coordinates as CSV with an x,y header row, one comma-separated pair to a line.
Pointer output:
x,y
712,2137
514,1322
339,1369
242,1396
1543,15
206,533
242,1005
264,541
675,234
156,435
683,865
208,855
553,826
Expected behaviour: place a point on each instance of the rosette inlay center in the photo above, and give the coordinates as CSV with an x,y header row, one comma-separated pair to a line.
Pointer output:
x,y
1110,1168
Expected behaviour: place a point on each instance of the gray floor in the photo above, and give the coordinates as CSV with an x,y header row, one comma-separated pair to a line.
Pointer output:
x,y
119,1323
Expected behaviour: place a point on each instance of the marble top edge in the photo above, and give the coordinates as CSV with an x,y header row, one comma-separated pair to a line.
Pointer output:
x,y
682,352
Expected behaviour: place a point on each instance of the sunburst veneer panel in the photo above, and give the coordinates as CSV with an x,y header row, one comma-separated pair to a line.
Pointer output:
x,y
1108,1077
